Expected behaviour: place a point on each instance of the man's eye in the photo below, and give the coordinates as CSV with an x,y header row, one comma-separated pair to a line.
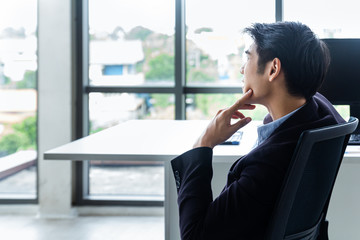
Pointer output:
x,y
245,57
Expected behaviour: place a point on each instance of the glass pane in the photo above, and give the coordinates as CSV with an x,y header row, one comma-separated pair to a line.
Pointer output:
x,y
215,42
205,106
109,109
327,18
18,99
131,42
129,180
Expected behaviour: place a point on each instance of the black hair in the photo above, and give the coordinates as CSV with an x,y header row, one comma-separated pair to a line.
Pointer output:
x,y
304,57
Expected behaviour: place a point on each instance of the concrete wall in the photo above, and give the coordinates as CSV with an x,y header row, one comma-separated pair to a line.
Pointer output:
x,y
55,105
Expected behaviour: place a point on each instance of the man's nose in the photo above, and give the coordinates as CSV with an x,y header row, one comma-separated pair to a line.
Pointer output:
x,y
242,69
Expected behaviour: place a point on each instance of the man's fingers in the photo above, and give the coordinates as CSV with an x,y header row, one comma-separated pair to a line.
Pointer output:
x,y
220,111
247,106
238,114
241,103
241,123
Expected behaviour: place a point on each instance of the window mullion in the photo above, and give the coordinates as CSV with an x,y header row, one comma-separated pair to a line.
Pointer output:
x,y
180,59
279,12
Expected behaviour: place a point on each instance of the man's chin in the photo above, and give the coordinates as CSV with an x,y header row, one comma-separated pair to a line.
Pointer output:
x,y
245,89
251,100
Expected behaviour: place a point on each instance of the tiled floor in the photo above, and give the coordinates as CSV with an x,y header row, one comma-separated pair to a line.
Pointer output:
x,y
82,228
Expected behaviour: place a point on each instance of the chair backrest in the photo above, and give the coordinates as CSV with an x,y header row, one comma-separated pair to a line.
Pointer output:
x,y
307,187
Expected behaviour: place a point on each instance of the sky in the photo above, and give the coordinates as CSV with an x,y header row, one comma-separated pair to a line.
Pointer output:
x,y
18,13
224,15
159,15
105,15
326,14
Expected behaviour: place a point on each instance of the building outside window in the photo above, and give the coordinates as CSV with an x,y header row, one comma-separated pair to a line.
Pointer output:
x,y
18,101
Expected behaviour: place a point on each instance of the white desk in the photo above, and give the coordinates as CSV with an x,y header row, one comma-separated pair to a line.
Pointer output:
x,y
162,140
144,140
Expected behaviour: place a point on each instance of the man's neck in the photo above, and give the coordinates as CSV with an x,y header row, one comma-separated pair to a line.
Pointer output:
x,y
281,106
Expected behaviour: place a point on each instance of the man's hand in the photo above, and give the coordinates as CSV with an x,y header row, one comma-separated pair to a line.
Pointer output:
x,y
220,128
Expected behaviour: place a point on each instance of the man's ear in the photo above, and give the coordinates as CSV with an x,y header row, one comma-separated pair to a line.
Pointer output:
x,y
275,69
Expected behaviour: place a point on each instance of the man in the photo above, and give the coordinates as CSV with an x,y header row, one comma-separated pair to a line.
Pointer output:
x,y
286,66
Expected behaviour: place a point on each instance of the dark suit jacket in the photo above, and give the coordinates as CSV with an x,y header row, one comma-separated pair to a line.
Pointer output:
x,y
243,209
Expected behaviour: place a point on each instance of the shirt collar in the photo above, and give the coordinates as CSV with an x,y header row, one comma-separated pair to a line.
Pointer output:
x,y
265,130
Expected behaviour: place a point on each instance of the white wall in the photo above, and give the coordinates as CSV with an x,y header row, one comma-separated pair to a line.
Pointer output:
x,y
54,119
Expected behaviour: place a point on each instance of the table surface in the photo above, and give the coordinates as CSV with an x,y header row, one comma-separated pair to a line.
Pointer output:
x,y
147,140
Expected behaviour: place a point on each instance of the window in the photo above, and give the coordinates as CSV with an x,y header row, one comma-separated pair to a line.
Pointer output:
x,y
214,41
155,63
109,109
139,46
130,76
113,70
18,101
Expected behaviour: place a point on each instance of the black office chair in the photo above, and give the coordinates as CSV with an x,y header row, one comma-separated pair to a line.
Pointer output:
x,y
300,211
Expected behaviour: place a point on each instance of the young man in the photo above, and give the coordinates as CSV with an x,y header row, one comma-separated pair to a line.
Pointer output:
x,y
286,65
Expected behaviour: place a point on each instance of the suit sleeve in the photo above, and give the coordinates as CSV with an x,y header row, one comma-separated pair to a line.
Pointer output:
x,y
193,174
245,203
